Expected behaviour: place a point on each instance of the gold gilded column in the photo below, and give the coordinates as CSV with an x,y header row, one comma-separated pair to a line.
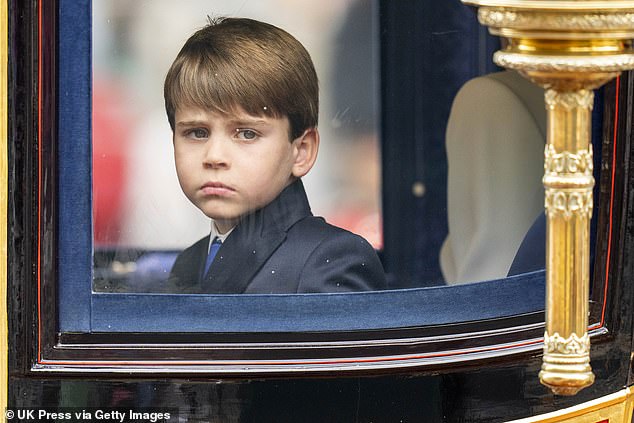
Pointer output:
x,y
569,47
568,186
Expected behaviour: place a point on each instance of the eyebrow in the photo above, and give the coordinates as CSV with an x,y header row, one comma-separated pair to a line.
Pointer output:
x,y
245,121
241,121
190,123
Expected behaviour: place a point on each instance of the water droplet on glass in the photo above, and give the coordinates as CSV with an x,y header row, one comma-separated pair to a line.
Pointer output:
x,y
418,189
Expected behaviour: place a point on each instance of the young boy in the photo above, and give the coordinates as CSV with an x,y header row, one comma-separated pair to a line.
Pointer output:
x,y
242,101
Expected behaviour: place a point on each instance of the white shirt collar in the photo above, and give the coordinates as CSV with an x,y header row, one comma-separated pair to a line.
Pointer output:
x,y
214,233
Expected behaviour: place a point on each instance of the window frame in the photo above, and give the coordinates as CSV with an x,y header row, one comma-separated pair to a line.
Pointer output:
x,y
376,350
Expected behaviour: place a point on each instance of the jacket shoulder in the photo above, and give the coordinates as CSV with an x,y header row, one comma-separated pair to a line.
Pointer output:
x,y
337,260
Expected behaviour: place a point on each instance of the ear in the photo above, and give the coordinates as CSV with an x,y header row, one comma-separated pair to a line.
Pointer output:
x,y
305,148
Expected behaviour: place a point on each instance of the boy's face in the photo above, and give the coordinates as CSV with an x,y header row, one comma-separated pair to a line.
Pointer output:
x,y
230,165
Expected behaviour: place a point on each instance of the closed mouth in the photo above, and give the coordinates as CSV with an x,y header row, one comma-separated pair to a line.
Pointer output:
x,y
217,185
216,189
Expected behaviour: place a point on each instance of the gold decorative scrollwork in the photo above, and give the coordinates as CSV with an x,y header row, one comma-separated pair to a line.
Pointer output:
x,y
543,63
568,203
555,21
556,5
556,344
567,162
569,99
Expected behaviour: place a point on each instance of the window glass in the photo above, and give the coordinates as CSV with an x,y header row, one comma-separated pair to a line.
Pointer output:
x,y
456,175
141,218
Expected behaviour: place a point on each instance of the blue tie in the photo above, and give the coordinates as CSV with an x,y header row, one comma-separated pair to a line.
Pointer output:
x,y
213,250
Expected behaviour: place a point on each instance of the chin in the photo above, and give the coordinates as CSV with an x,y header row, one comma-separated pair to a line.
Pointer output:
x,y
220,215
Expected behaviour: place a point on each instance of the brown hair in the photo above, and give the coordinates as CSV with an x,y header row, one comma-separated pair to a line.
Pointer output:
x,y
243,63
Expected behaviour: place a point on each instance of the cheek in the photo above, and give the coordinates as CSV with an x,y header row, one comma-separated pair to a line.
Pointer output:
x,y
277,168
183,171
267,178
184,158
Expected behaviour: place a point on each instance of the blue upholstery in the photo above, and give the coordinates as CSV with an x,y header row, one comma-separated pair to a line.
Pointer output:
x,y
319,312
531,255
74,161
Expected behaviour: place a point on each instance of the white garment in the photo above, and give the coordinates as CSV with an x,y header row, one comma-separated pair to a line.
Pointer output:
x,y
495,147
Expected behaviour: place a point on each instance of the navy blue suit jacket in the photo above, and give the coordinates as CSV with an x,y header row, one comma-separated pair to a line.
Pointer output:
x,y
281,248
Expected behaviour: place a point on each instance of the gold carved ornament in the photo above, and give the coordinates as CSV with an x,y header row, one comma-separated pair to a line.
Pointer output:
x,y
569,47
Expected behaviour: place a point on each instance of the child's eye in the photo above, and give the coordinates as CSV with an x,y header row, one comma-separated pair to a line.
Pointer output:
x,y
246,134
197,133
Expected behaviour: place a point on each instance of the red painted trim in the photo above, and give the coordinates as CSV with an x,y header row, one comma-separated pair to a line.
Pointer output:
x,y
611,214
609,250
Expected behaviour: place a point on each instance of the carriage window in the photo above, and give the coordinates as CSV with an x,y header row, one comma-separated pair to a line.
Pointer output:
x,y
141,217
433,159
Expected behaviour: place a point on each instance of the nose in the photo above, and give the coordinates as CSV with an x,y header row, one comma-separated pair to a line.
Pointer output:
x,y
216,155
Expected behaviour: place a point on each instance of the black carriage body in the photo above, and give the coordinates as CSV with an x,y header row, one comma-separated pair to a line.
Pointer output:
x,y
478,371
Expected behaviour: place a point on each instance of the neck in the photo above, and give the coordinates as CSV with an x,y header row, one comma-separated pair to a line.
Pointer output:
x,y
224,226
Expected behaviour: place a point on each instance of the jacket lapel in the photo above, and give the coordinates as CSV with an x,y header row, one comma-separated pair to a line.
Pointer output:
x,y
238,260
254,240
